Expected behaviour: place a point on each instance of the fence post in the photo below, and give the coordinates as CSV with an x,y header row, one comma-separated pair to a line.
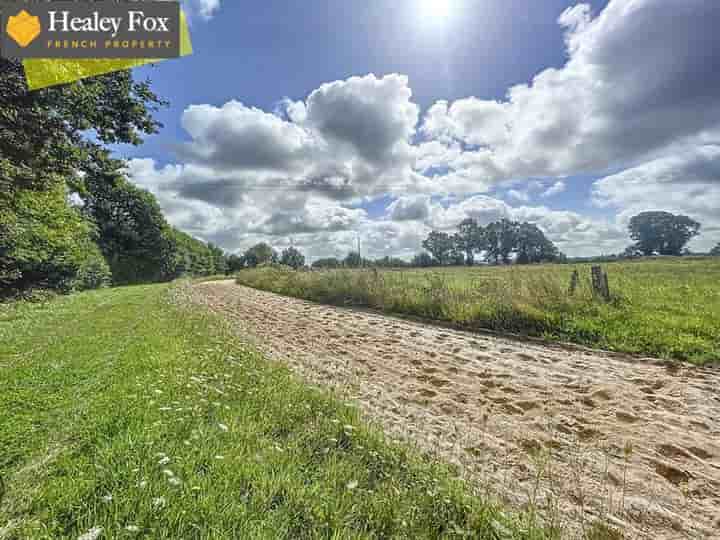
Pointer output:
x,y
600,283
574,282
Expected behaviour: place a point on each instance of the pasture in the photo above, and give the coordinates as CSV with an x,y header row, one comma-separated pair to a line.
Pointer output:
x,y
666,307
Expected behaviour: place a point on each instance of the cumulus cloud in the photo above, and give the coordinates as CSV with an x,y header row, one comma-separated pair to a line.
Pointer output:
x,y
638,79
638,93
687,183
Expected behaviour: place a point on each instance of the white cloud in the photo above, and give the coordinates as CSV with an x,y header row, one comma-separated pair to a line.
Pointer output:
x,y
557,188
637,92
687,183
636,82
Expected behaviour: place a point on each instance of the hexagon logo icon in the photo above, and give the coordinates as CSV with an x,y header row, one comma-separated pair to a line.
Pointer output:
x,y
23,28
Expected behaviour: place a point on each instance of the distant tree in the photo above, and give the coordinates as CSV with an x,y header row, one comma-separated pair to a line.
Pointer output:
x,y
235,263
662,233
457,255
470,239
422,260
259,254
439,245
389,262
533,246
501,240
293,258
715,252
353,260
329,262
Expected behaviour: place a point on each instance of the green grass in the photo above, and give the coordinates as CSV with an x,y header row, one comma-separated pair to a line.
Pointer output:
x,y
669,308
124,411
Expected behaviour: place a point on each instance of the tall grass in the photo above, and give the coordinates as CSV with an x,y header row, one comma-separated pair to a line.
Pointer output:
x,y
668,308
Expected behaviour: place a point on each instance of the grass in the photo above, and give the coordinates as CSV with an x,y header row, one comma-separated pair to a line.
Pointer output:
x,y
126,415
668,308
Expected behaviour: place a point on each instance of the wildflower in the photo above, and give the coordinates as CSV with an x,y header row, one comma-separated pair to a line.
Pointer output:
x,y
92,534
142,484
174,481
132,528
223,427
159,502
107,498
352,485
164,461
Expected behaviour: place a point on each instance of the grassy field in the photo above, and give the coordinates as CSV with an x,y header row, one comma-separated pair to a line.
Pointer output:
x,y
125,415
669,308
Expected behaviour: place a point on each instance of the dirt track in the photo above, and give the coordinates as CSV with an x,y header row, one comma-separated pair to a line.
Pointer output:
x,y
584,432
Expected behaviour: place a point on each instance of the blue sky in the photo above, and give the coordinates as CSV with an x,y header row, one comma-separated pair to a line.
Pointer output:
x,y
418,124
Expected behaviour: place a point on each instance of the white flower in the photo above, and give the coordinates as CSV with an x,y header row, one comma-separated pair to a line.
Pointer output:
x,y
164,461
175,481
159,502
219,457
107,498
223,427
352,485
132,528
92,534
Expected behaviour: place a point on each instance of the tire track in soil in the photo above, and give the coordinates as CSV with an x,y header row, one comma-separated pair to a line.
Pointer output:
x,y
528,422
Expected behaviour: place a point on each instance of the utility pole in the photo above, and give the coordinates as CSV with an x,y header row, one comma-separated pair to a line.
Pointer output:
x,y
360,261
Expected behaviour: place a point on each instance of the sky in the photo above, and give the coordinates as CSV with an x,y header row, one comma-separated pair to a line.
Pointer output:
x,y
314,123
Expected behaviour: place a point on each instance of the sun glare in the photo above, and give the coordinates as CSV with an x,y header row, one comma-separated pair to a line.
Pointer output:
x,y
437,10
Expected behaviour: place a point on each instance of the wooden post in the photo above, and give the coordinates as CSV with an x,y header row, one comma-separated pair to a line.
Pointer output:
x,y
574,282
600,283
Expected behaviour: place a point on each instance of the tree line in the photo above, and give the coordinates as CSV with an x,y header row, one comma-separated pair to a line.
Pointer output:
x,y
500,242
69,218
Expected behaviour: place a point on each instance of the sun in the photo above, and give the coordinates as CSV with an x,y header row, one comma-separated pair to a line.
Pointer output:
x,y
437,10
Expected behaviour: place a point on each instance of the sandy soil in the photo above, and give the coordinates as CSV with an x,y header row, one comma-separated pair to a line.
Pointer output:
x,y
579,434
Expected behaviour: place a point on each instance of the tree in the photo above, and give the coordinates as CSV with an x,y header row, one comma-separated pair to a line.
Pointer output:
x,y
260,254
422,260
715,252
235,263
353,260
293,258
470,239
439,244
533,246
662,233
329,262
501,240
44,148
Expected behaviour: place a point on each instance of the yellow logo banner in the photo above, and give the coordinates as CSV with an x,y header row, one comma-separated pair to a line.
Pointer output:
x,y
44,72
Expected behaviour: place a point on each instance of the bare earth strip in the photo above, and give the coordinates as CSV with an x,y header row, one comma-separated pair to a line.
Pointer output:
x,y
580,434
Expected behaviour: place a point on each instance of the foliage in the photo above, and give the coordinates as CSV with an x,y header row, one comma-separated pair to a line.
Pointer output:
x,y
329,262
235,263
470,239
499,242
667,308
353,260
662,233
389,262
260,254
423,260
43,137
92,436
47,244
293,258
439,245
50,139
